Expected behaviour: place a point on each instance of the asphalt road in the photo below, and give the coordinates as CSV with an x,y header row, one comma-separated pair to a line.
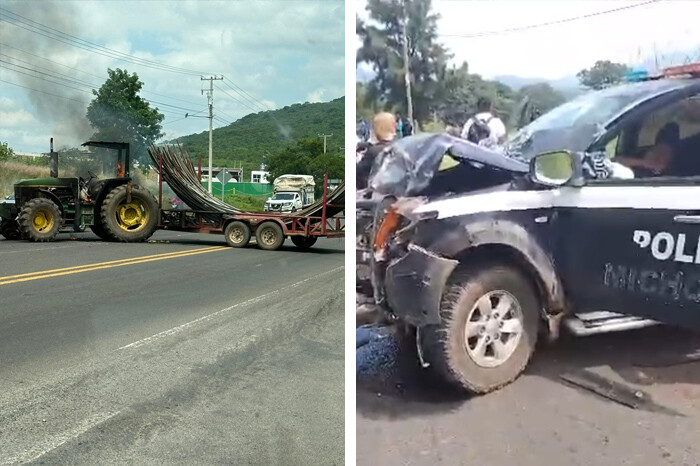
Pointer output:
x,y
176,351
404,417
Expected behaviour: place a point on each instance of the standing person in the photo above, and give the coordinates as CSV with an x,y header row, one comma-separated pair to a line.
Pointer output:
x,y
384,129
399,125
484,128
406,128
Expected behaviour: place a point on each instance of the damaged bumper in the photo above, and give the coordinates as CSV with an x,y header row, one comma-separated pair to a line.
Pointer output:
x,y
414,284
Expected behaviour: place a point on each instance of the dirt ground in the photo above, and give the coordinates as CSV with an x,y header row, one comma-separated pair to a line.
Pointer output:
x,y
406,417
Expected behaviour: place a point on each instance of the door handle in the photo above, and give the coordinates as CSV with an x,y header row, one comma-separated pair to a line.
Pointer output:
x,y
695,219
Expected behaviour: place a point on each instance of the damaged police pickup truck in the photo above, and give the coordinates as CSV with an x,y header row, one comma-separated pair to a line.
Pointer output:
x,y
578,221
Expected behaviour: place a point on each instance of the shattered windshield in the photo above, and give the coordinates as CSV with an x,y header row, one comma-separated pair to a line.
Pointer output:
x,y
575,124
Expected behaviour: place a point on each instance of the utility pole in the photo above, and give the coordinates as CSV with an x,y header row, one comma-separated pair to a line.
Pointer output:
x,y
210,100
324,136
406,70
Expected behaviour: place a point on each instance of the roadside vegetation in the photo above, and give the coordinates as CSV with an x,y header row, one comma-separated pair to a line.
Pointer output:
x,y
444,94
245,202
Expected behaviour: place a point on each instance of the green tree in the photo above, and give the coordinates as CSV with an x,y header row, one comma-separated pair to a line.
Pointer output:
x,y
5,151
460,91
306,157
541,98
382,47
118,113
365,105
602,74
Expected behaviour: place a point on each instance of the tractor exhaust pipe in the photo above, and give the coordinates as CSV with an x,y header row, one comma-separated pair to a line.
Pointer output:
x,y
54,162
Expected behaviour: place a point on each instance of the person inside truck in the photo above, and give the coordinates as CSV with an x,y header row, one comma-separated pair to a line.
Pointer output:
x,y
657,160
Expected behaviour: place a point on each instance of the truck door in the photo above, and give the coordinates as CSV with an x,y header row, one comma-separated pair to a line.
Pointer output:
x,y
632,248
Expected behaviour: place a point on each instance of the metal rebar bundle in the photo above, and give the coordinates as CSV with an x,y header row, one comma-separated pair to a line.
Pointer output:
x,y
180,175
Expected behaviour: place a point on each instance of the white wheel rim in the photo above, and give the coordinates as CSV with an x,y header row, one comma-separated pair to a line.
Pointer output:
x,y
493,329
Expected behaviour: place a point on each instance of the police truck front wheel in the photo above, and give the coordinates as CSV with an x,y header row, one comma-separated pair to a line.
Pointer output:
x,y
488,330
269,236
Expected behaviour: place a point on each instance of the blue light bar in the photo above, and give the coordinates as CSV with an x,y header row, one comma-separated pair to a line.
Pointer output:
x,y
636,76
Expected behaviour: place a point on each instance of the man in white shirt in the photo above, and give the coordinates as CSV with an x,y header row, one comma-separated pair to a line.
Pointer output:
x,y
489,131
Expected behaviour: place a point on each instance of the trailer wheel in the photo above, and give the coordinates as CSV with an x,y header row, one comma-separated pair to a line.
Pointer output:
x,y
9,229
304,242
40,220
237,234
129,221
269,236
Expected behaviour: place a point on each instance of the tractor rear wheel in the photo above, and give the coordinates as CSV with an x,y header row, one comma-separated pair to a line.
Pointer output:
x,y
269,236
9,229
304,242
40,219
237,234
129,221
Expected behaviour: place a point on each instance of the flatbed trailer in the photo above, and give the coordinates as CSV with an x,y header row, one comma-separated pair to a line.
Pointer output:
x,y
269,229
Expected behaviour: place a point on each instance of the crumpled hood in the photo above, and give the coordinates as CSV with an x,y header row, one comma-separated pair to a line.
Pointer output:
x,y
407,166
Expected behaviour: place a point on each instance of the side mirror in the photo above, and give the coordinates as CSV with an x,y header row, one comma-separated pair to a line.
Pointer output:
x,y
552,168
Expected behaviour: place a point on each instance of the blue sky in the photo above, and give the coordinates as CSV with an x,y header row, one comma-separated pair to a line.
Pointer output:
x,y
556,51
278,52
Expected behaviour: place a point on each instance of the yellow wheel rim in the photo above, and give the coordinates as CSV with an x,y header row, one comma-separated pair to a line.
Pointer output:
x,y
42,220
132,216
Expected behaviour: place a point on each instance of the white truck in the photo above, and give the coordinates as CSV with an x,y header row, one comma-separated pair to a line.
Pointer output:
x,y
291,193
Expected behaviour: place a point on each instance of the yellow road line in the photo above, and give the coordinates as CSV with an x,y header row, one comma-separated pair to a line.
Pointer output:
x,y
112,265
76,267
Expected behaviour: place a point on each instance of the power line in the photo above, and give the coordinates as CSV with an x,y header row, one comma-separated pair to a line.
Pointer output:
x,y
240,102
79,83
264,105
43,92
61,36
252,102
75,41
549,23
82,71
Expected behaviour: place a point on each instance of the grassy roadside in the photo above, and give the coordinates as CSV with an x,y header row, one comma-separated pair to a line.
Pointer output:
x,y
12,171
245,202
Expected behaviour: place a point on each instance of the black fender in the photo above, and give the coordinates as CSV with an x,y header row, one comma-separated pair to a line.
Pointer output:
x,y
515,237
109,185
49,195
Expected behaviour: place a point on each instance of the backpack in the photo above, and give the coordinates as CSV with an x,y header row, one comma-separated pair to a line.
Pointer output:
x,y
479,130
407,128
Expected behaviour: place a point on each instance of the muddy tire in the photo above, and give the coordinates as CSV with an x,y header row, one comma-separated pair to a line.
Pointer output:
x,y
99,230
10,229
304,242
39,220
490,320
269,236
237,234
129,221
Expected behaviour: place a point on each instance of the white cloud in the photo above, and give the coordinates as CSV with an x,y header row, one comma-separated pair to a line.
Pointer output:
x,y
273,50
15,118
316,96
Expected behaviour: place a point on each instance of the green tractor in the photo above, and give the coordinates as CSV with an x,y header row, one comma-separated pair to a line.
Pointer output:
x,y
115,209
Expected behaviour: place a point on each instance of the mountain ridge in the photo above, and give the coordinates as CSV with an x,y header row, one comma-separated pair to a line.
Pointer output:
x,y
246,141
